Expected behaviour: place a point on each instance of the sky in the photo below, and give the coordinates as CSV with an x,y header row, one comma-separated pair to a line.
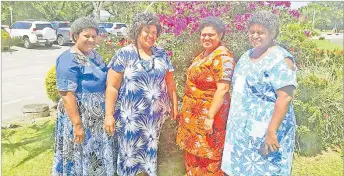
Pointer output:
x,y
297,4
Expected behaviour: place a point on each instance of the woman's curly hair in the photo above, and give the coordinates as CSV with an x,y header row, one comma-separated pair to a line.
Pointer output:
x,y
139,21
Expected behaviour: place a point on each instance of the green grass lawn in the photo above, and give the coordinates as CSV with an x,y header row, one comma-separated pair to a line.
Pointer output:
x,y
325,44
28,151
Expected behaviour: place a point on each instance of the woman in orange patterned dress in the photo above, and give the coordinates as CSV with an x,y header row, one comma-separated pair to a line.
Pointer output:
x,y
202,121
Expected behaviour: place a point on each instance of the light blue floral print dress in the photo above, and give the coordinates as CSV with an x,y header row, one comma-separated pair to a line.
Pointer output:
x,y
252,105
141,109
86,77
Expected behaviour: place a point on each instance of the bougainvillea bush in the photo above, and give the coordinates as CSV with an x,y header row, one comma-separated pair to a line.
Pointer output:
x,y
181,36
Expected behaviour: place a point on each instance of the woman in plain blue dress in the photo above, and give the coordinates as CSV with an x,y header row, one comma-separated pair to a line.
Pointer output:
x,y
81,145
261,123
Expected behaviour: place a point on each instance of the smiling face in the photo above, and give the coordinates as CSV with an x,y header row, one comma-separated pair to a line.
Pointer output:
x,y
87,40
147,36
210,39
260,36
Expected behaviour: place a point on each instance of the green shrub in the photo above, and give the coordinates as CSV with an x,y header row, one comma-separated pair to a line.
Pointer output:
x,y
7,41
322,38
107,48
50,85
319,108
294,39
183,49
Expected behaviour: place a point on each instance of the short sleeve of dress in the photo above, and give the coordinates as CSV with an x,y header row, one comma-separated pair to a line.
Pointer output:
x,y
223,66
281,75
118,61
67,73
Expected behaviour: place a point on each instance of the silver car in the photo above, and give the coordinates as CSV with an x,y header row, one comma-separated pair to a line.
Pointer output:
x,y
63,34
114,28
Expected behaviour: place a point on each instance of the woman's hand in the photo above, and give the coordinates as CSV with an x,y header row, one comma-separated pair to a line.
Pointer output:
x,y
208,125
284,98
271,142
109,125
79,134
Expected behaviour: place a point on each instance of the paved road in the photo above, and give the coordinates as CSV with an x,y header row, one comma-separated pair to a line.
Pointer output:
x,y
335,38
337,41
23,75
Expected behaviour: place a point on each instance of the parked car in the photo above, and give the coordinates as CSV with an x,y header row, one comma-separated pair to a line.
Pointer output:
x,y
6,28
63,34
33,32
113,28
102,32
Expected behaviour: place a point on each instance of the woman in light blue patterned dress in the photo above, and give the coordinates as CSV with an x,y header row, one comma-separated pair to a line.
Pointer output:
x,y
261,123
139,89
81,145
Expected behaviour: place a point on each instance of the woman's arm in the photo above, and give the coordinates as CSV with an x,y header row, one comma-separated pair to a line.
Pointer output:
x,y
171,90
71,107
113,83
222,88
284,98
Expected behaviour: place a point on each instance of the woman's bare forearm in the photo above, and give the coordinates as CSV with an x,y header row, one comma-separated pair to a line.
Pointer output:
x,y
111,95
71,107
284,98
171,90
113,84
218,99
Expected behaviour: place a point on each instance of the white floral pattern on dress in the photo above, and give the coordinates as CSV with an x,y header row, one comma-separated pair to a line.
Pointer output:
x,y
252,106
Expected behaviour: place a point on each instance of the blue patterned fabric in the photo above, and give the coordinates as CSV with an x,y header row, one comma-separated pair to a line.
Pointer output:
x,y
86,77
252,105
141,109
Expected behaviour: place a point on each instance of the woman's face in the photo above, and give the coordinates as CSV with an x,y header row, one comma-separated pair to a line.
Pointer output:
x,y
260,36
147,36
87,40
210,39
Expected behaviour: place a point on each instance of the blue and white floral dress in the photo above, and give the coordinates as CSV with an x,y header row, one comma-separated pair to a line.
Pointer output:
x,y
86,77
141,109
252,105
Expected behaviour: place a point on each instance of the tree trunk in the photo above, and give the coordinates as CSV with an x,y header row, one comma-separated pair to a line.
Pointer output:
x,y
97,6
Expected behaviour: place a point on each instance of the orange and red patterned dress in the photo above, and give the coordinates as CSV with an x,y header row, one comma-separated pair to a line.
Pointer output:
x,y
203,151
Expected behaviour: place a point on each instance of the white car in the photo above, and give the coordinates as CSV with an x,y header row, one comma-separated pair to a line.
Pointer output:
x,y
113,28
33,32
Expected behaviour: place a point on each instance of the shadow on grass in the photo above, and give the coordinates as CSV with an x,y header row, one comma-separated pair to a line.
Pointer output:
x,y
170,157
36,139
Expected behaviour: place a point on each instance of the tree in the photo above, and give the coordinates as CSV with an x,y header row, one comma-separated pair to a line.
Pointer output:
x,y
327,14
47,10
125,10
97,6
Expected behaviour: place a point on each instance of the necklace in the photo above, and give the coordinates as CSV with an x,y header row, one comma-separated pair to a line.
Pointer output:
x,y
144,64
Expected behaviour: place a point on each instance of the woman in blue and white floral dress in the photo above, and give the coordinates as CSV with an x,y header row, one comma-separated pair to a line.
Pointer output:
x,y
81,145
261,123
139,89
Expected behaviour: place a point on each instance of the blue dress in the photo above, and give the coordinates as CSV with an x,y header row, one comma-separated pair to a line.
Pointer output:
x,y
252,105
141,109
86,77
